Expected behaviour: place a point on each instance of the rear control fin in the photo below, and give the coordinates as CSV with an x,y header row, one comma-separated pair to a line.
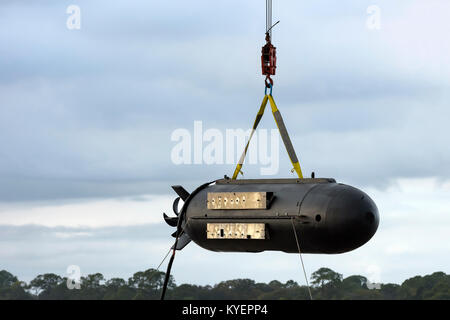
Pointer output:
x,y
181,192
183,241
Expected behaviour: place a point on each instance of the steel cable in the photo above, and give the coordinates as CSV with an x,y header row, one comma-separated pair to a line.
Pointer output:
x,y
301,259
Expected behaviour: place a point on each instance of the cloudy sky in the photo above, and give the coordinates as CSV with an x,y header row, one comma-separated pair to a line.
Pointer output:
x,y
86,117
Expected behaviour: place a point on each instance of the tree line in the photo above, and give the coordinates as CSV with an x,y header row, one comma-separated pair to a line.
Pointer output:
x,y
325,284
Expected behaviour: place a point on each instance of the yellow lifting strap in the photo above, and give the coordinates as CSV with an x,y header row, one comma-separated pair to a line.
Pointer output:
x,y
283,132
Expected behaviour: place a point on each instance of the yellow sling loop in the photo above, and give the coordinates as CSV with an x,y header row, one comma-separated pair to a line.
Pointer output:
x,y
283,132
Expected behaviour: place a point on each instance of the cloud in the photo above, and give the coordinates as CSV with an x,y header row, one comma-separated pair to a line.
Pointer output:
x,y
87,213
90,112
29,250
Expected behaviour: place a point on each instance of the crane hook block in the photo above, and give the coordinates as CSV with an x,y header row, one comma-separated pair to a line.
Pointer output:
x,y
268,58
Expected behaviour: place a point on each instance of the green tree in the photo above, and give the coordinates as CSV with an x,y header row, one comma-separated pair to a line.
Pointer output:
x,y
390,291
327,282
245,288
7,279
112,288
11,288
92,287
43,285
148,283
15,291
323,276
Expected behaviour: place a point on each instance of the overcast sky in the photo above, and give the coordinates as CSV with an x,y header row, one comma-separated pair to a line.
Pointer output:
x,y
86,118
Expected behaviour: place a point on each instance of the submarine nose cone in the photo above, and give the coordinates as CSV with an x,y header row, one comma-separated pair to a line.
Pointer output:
x,y
353,218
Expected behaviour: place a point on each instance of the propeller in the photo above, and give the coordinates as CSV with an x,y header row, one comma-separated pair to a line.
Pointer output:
x,y
175,206
170,221
173,221
182,194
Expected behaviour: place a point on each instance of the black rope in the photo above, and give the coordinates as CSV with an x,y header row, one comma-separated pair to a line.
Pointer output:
x,y
169,266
